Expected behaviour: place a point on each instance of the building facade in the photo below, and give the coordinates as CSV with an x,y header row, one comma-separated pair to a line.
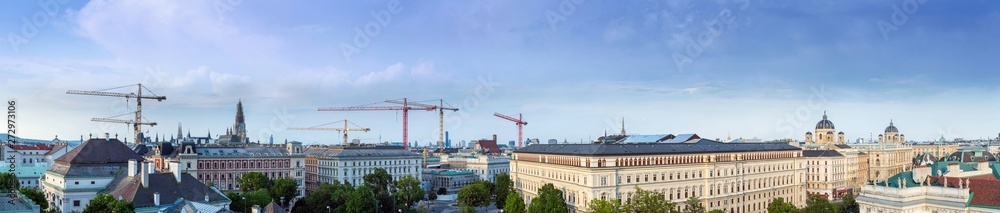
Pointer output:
x,y
450,180
733,177
484,166
349,164
80,174
222,164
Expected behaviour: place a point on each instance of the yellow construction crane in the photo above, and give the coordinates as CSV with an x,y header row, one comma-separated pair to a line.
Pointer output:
x,y
341,130
138,106
441,110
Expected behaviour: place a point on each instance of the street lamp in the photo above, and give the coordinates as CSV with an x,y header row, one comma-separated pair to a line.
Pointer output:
x,y
327,209
245,204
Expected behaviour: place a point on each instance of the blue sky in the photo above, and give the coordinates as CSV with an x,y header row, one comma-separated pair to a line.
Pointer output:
x,y
765,69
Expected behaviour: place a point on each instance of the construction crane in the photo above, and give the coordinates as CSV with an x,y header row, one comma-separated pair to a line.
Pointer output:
x,y
341,130
441,110
138,106
405,108
520,125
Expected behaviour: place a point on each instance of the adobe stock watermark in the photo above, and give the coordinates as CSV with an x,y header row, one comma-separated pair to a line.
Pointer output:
x,y
470,105
224,7
30,27
695,46
566,8
364,35
804,113
900,15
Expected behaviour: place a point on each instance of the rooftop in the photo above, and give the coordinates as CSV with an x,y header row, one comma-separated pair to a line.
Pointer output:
x,y
697,146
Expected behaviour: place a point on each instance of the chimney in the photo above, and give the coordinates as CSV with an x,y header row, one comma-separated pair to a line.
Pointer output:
x,y
132,168
145,175
206,198
107,136
156,198
255,209
494,137
175,167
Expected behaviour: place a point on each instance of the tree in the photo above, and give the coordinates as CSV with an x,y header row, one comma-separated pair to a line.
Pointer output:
x,y
380,182
778,205
648,201
850,205
604,206
819,204
514,203
474,195
549,200
253,181
717,211
407,192
362,200
284,188
442,191
501,189
106,203
36,196
467,209
9,181
693,205
431,195
333,194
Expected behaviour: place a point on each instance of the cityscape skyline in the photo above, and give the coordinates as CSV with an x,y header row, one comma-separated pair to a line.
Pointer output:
x,y
769,72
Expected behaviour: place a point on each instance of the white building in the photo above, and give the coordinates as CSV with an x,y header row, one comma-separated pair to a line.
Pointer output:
x,y
486,167
349,164
80,174
967,181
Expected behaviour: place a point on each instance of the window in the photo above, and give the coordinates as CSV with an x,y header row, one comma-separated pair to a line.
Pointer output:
x,y
76,183
76,203
91,182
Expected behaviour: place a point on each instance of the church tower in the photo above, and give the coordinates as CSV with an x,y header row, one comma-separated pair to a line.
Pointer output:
x,y
240,127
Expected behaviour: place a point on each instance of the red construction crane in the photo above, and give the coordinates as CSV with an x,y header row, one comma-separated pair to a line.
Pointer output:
x,y
520,125
405,108
138,106
441,110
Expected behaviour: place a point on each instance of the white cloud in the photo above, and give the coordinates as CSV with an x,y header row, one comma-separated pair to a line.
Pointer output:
x,y
159,30
397,72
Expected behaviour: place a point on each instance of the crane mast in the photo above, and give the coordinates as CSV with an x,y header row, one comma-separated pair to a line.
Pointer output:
x,y
441,110
405,108
341,130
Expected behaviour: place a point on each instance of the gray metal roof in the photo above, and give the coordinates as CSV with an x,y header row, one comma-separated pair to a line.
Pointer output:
x,y
96,157
821,153
341,151
699,146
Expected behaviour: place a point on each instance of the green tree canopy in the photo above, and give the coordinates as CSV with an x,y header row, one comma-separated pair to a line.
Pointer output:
x,y
253,181
778,205
474,195
693,205
850,205
819,204
717,211
407,191
8,181
362,200
604,206
104,203
285,188
334,195
549,200
648,201
501,189
514,204
36,196
379,180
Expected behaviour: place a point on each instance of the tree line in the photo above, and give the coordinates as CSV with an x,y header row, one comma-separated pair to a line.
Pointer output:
x,y
378,193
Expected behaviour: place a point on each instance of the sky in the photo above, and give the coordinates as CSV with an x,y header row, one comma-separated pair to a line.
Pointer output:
x,y
573,68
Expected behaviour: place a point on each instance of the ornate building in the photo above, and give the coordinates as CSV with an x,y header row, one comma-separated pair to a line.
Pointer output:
x,y
222,165
966,181
891,135
734,177
237,133
826,134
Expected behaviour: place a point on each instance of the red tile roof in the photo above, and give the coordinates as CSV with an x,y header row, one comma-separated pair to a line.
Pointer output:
x,y
985,189
33,147
489,145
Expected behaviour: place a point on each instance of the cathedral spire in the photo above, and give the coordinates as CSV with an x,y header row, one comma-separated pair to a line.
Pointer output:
x,y
179,132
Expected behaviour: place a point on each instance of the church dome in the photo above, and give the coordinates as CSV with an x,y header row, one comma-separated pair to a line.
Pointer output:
x,y
891,128
824,124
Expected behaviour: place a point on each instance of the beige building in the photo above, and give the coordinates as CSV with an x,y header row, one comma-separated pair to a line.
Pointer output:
x,y
734,177
349,164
